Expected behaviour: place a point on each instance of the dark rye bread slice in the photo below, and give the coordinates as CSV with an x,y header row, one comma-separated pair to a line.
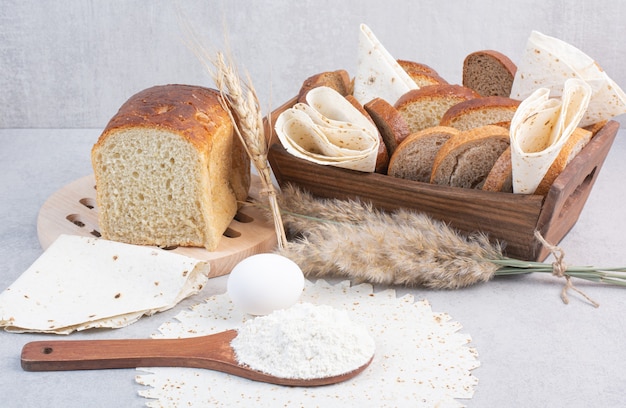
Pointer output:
x,y
390,123
489,72
480,112
423,108
466,159
414,157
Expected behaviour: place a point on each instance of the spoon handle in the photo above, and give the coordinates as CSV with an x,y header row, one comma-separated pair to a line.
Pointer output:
x,y
212,352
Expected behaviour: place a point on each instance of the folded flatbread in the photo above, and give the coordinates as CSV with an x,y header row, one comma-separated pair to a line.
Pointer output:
x,y
378,74
329,130
547,61
80,283
539,129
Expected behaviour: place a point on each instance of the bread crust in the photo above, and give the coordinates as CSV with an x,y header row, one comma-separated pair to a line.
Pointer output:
x,y
442,90
458,112
192,111
422,74
500,176
390,123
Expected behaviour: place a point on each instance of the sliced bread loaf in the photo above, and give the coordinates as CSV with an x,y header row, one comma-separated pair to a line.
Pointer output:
x,y
480,112
422,74
489,72
414,157
338,80
500,175
576,142
466,159
168,170
390,123
423,108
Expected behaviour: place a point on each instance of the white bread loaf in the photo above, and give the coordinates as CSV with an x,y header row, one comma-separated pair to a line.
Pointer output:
x,y
489,72
480,112
414,157
423,108
169,170
466,159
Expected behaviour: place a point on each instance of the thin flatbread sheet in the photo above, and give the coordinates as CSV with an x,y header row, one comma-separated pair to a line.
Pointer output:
x,y
80,283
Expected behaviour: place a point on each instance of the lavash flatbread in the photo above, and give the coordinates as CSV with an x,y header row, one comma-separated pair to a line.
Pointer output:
x,y
329,130
539,129
80,283
546,62
378,74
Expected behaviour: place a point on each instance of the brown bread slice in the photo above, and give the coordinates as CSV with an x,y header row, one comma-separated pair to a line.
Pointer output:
x,y
423,108
576,142
480,112
500,176
466,159
489,72
414,157
338,80
390,123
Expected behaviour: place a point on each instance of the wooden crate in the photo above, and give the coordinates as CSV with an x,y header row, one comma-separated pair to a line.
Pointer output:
x,y
508,218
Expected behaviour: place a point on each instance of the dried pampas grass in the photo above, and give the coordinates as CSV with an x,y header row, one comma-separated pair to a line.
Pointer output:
x,y
357,241
350,238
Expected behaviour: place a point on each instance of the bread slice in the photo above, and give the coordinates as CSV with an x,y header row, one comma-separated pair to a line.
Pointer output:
x,y
382,157
166,169
390,123
338,80
489,72
500,177
422,74
423,108
414,157
466,159
480,112
576,142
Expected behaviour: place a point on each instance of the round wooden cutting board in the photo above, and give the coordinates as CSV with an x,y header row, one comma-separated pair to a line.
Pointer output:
x,y
72,210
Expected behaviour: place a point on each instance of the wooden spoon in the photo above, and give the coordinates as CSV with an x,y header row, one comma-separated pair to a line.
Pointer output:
x,y
212,352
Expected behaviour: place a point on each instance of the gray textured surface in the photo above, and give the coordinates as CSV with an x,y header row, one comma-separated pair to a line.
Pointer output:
x,y
534,350
70,64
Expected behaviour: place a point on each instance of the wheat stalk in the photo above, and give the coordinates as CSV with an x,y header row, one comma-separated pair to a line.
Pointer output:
x,y
241,101
349,238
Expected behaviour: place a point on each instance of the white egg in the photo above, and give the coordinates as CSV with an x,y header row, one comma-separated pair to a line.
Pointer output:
x,y
262,283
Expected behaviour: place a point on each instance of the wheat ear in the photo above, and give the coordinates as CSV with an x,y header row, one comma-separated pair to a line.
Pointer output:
x,y
241,101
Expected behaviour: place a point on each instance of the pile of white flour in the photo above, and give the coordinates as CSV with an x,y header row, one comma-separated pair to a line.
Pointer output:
x,y
304,342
